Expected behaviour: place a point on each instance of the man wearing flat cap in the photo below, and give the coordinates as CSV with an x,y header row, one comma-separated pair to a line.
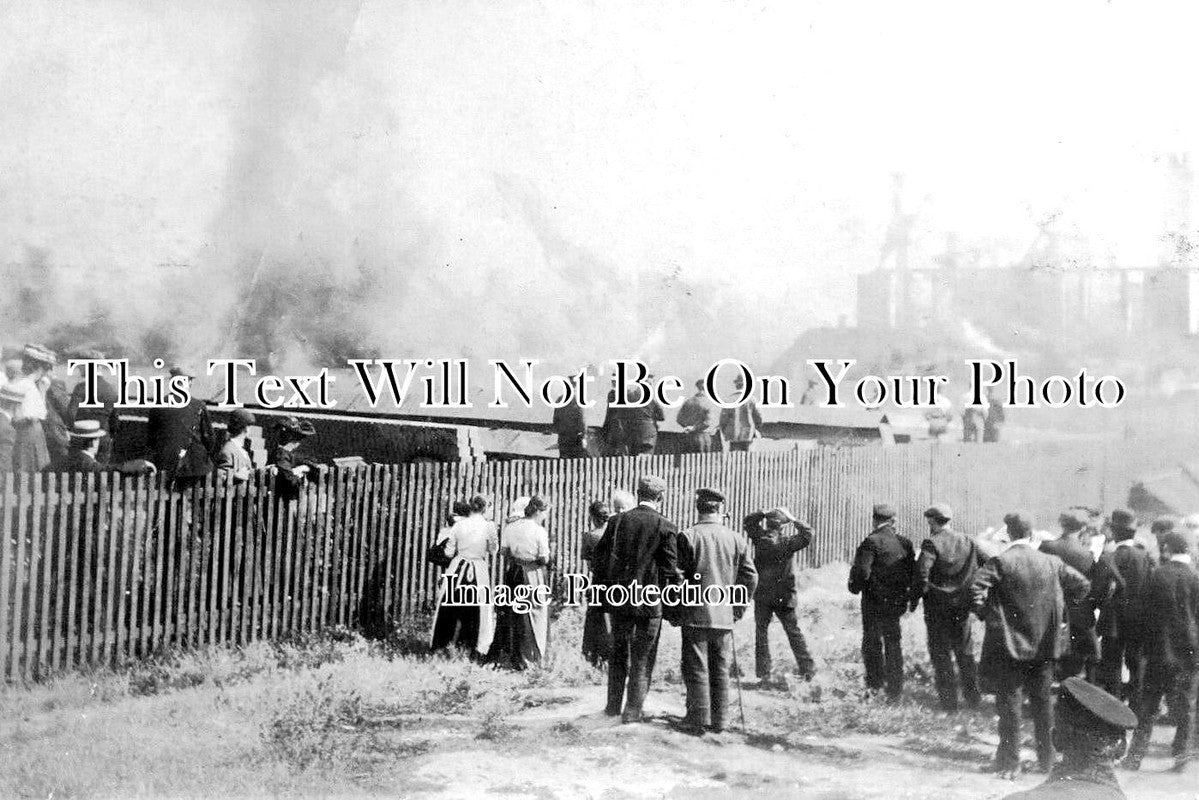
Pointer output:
x,y
775,552
180,440
1171,645
945,569
639,547
1022,595
1121,619
712,557
1090,731
882,572
1073,547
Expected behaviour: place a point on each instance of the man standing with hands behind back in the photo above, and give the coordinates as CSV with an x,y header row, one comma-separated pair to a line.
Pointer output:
x,y
882,573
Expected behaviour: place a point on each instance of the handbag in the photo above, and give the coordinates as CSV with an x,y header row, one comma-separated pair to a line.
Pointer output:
x,y
436,554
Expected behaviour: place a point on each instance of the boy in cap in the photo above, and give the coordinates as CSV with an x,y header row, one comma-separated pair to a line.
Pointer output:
x,y
1022,595
945,569
883,569
1121,619
1089,730
777,594
711,555
638,548
1171,649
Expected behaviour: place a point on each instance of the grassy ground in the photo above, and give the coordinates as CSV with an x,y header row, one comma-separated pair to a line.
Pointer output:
x,y
338,716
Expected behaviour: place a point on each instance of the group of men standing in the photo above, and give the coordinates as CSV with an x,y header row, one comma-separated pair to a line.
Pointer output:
x,y
1088,605
640,547
634,431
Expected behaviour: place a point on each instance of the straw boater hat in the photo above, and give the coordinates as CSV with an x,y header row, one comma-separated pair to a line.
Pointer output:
x,y
39,353
11,394
85,429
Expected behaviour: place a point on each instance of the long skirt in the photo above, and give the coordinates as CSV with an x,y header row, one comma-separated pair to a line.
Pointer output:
x,y
522,638
30,453
465,625
597,636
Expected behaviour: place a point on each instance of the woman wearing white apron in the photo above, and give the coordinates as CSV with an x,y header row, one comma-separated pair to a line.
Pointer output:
x,y
527,552
469,542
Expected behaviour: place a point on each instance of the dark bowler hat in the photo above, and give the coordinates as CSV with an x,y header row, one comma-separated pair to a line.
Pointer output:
x,y
1018,521
883,511
1073,520
939,512
87,429
296,427
180,369
1122,519
39,353
242,417
1087,706
708,496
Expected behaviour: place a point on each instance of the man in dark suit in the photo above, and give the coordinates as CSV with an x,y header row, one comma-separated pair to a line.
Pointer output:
x,y
1121,619
1090,731
777,594
571,427
1171,649
883,569
1022,594
711,555
179,440
642,425
638,548
1073,548
944,571
82,452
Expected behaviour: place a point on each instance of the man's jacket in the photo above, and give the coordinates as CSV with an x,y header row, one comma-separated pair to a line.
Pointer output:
x,y
774,557
945,570
720,557
1172,618
884,568
638,547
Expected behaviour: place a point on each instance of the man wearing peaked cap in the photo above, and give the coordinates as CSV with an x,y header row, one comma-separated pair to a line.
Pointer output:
x,y
777,594
1089,731
711,555
882,573
944,571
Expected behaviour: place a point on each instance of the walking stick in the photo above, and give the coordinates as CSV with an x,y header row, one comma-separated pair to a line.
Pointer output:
x,y
737,677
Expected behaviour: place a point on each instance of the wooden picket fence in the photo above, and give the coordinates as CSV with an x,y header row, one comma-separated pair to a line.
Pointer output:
x,y
101,570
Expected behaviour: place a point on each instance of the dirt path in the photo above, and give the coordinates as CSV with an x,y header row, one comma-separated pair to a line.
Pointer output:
x,y
571,750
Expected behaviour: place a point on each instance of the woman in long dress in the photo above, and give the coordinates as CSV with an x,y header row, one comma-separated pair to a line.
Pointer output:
x,y
597,625
469,541
526,550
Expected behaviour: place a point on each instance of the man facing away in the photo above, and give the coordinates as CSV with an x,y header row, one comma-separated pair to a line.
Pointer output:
x,y
1021,594
777,594
1090,731
716,559
1171,649
571,427
698,416
742,425
946,568
1121,619
882,572
638,548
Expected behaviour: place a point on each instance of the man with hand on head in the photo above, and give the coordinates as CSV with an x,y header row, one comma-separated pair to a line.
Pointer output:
x,y
715,558
777,595
882,572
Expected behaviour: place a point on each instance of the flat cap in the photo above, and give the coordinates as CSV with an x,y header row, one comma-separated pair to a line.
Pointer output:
x,y
1073,520
651,484
1122,519
708,496
883,511
1086,704
1018,522
939,511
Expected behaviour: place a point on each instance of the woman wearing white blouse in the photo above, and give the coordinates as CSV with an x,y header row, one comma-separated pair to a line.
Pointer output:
x,y
469,541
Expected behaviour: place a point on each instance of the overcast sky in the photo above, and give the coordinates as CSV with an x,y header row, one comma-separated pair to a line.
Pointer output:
x,y
704,138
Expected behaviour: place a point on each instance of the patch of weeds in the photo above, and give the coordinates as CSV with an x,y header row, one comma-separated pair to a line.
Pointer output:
x,y
308,729
494,725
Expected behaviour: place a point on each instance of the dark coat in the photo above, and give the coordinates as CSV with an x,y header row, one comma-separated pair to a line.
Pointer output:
x,y
1102,573
946,567
774,557
79,461
1172,618
1021,594
171,431
58,421
638,546
288,483
1123,614
720,556
884,568
569,424
642,426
